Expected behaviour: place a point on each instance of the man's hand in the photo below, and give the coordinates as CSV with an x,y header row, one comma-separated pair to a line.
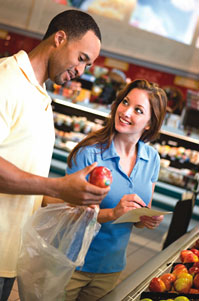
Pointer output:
x,y
76,190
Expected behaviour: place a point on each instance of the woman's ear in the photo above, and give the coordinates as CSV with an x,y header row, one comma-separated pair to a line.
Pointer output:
x,y
60,37
147,127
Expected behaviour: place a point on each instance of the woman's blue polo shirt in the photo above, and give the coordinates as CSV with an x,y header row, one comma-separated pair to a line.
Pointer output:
x,y
107,253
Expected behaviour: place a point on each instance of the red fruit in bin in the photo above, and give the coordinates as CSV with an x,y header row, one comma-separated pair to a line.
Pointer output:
x,y
196,264
168,280
196,281
179,265
184,253
181,269
194,270
101,176
195,251
194,291
157,285
190,258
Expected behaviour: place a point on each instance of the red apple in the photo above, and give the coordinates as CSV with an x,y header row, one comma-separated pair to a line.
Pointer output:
x,y
179,265
168,280
193,291
196,264
179,270
157,285
196,281
191,257
182,285
193,270
100,176
183,253
195,251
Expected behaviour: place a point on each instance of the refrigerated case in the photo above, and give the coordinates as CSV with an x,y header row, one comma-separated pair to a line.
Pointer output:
x,y
132,288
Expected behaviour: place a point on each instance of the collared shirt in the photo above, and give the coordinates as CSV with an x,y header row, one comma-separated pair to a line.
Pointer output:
x,y
26,140
107,253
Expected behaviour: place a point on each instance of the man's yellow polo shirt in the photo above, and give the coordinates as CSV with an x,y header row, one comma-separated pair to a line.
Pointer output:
x,y
26,140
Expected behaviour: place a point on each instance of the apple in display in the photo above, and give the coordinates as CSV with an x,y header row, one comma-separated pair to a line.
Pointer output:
x,y
101,176
168,280
182,285
195,251
191,257
184,253
193,270
196,281
180,269
181,298
157,285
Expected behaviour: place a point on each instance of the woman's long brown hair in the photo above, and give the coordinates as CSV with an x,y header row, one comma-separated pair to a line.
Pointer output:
x,y
104,136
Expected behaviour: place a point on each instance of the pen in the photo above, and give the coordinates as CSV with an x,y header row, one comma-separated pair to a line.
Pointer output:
x,y
142,206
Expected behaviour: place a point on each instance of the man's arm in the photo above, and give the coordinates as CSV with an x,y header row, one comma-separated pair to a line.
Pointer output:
x,y
71,188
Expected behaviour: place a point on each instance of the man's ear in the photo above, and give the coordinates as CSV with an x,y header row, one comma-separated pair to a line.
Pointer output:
x,y
60,37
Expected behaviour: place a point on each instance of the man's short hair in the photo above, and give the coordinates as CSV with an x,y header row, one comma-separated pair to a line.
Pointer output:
x,y
74,23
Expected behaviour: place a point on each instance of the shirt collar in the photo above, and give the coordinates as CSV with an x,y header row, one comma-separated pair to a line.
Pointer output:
x,y
111,151
24,64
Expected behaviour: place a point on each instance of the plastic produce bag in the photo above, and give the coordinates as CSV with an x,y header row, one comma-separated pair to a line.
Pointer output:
x,y
54,241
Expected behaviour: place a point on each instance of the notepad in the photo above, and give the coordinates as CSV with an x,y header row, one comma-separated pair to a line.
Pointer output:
x,y
133,215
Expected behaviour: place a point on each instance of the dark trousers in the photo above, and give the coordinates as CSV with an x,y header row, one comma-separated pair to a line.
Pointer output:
x,y
6,285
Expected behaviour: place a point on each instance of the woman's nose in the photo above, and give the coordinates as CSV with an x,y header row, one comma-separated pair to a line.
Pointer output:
x,y
128,111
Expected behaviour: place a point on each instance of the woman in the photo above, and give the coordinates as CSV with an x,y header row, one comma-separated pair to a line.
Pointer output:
x,y
136,117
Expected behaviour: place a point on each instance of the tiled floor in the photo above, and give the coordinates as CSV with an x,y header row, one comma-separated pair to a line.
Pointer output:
x,y
143,245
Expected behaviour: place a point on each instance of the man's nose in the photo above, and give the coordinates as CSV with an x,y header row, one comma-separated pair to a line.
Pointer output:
x,y
80,69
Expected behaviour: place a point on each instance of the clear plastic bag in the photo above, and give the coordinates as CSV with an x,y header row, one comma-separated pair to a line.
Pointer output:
x,y
54,241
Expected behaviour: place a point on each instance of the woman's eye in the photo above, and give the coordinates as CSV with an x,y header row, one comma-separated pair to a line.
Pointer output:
x,y
125,101
139,111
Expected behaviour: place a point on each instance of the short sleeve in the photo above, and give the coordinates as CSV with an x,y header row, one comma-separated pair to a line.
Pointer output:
x,y
83,159
156,169
5,119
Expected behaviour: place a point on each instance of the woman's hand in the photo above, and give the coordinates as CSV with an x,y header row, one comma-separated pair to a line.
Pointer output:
x,y
150,222
127,203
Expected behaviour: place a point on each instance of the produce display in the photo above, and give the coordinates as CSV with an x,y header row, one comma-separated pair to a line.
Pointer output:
x,y
101,176
177,153
72,128
181,283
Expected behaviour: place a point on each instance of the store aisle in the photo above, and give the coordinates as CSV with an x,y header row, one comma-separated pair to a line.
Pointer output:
x,y
143,245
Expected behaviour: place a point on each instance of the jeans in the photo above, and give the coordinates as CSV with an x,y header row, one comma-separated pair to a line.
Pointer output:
x,y
6,285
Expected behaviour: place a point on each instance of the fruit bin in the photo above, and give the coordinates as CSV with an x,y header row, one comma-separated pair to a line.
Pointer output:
x,y
165,296
136,284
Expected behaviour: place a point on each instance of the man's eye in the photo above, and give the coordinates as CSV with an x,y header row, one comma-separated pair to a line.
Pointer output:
x,y
81,59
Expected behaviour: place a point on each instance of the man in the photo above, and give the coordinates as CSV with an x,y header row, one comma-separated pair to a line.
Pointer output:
x,y
71,43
